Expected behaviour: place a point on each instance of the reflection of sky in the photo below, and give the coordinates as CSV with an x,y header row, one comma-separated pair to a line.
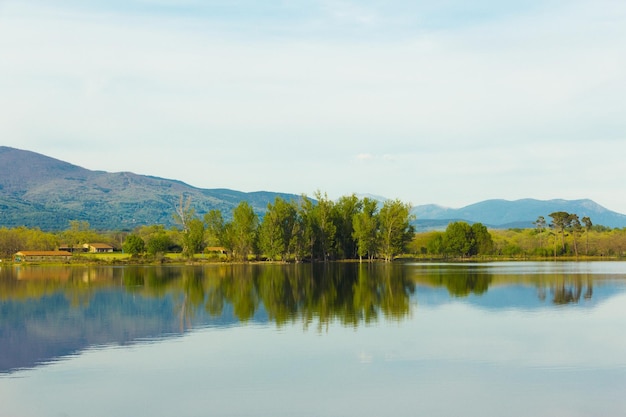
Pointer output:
x,y
449,359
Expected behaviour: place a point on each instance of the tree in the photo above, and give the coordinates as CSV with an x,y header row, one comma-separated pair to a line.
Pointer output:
x,y
395,228
243,230
324,225
307,235
588,225
574,226
345,209
458,239
185,217
193,240
158,243
133,245
277,229
215,228
540,226
560,221
365,229
483,243
79,233
435,245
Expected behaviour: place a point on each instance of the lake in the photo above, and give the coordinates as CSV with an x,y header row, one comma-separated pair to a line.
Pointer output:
x,y
405,339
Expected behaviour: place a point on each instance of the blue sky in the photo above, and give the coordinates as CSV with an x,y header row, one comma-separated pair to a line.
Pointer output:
x,y
430,102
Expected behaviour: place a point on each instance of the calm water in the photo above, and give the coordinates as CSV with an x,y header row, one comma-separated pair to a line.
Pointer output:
x,y
498,339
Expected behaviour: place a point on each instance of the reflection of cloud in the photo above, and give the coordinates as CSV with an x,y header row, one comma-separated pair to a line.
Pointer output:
x,y
365,357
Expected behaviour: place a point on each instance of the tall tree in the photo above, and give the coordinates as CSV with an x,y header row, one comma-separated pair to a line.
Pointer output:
x,y
588,224
244,230
540,227
458,239
194,238
277,228
307,234
185,215
215,228
483,243
365,226
345,209
323,225
575,228
395,228
560,222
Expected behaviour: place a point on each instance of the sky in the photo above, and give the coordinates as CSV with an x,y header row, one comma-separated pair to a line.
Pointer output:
x,y
449,102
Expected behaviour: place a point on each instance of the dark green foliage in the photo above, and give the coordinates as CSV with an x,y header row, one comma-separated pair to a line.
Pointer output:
x,y
461,239
134,245
276,232
159,243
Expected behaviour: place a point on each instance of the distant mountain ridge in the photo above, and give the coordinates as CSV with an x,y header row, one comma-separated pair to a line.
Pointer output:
x,y
39,191
518,213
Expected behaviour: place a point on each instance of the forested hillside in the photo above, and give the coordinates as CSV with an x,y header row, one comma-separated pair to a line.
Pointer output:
x,y
39,191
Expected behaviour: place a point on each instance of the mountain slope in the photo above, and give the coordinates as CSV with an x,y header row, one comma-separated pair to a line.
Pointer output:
x,y
519,213
39,191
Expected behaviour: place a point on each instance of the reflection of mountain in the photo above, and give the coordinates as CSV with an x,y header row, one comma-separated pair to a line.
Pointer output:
x,y
36,331
50,313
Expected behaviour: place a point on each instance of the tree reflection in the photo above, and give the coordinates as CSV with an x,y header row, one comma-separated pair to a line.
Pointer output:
x,y
348,293
461,282
568,290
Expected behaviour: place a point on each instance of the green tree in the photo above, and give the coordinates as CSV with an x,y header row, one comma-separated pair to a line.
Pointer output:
x,y
458,239
307,234
345,210
395,228
193,240
575,228
277,228
588,225
215,228
365,226
435,245
540,227
560,222
483,243
79,233
158,243
134,245
243,230
324,226
185,216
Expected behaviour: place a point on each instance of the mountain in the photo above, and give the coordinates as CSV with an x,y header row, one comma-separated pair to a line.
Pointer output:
x,y
39,191
518,213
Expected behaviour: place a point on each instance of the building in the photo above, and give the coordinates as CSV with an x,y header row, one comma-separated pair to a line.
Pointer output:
x,y
42,256
98,247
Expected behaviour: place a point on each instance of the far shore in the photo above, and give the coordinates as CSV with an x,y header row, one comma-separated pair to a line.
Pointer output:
x,y
174,259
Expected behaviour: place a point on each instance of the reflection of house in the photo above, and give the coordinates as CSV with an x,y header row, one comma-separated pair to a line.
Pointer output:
x,y
42,256
98,247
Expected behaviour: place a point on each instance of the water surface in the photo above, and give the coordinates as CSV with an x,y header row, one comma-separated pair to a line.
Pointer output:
x,y
514,339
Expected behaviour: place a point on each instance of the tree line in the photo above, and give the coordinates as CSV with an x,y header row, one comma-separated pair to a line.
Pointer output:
x,y
563,234
311,230
322,229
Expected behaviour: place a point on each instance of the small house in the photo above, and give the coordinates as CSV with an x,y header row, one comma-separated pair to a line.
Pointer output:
x,y
42,256
98,247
